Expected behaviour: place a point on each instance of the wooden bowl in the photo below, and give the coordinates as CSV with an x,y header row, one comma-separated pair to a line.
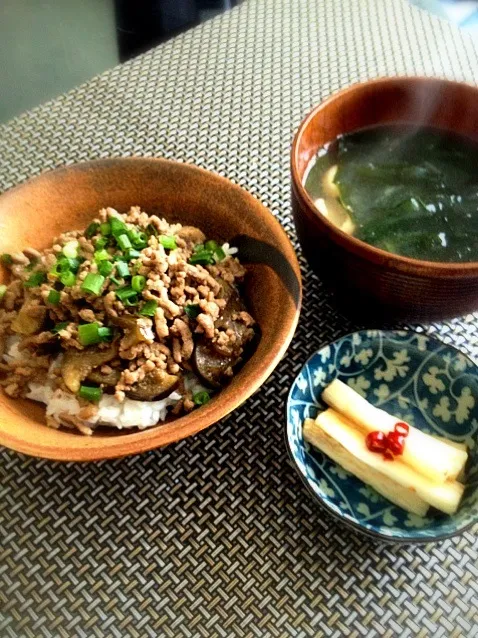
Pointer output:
x,y
368,280
33,213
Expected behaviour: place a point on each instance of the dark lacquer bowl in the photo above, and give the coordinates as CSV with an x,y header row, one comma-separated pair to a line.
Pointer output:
x,y
39,210
367,279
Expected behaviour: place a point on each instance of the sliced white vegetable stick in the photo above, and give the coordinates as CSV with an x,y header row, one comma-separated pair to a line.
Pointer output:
x,y
401,496
456,444
444,496
434,458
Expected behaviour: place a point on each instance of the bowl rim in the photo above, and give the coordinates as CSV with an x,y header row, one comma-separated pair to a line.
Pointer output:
x,y
120,444
434,269
372,534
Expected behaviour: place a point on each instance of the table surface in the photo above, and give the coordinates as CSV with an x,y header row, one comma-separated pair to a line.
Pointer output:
x,y
215,535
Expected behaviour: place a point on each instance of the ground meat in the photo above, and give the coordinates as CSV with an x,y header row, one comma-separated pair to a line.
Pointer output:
x,y
160,323
87,315
177,350
182,329
206,322
37,340
172,309
13,295
244,317
230,269
110,304
200,274
20,258
210,308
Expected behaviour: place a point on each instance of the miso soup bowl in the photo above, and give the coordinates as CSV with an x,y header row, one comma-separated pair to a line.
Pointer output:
x,y
368,280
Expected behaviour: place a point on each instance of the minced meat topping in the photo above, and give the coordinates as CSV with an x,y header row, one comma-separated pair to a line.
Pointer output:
x,y
132,304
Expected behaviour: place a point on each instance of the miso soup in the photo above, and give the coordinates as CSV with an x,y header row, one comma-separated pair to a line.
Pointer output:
x,y
412,191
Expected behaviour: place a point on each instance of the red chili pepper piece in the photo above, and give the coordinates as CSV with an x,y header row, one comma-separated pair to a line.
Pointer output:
x,y
402,428
395,443
388,456
376,441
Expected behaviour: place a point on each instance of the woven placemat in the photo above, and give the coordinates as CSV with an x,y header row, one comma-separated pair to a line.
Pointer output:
x,y
215,536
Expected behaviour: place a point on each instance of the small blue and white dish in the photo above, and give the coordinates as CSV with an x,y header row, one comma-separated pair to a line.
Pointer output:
x,y
420,380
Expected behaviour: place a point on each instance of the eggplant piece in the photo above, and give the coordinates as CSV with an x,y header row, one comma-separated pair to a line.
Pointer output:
x,y
78,364
30,319
210,361
210,364
226,322
155,385
107,380
135,329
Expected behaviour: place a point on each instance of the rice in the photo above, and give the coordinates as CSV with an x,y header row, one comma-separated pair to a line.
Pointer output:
x,y
128,414
12,352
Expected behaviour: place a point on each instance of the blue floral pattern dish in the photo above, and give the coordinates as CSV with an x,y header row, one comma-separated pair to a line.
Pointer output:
x,y
417,378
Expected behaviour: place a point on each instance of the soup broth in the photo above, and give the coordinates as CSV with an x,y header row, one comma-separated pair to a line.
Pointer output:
x,y
410,191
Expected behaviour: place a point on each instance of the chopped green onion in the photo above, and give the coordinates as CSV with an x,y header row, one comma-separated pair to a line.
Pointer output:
x,y
208,253
200,398
105,333
115,281
91,230
204,257
90,393
73,264
70,249
68,279
123,242
88,334
105,229
132,254
138,283
101,243
192,310
102,255
6,259
105,268
64,265
55,269
118,227
122,269
59,327
219,254
3,290
211,245
125,293
168,242
35,279
138,239
131,301
54,297
149,308
93,283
